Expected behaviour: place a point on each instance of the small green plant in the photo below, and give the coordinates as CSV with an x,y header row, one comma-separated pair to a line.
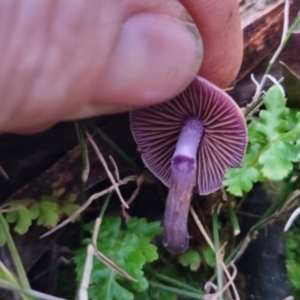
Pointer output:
x,y
274,145
129,248
47,211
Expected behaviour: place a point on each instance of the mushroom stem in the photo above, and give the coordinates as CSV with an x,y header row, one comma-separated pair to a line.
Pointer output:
x,y
183,174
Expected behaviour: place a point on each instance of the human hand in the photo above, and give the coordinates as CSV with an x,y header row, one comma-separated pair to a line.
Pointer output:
x,y
69,59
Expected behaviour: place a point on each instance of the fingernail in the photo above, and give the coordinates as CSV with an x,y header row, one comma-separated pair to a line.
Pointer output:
x,y
155,58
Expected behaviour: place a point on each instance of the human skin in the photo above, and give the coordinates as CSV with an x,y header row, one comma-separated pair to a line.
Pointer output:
x,y
70,59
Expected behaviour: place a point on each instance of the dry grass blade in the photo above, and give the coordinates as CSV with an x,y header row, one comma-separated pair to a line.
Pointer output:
x,y
226,286
102,257
117,174
87,204
291,219
112,265
101,158
210,243
28,292
88,267
86,170
202,230
6,272
241,250
249,111
139,182
2,171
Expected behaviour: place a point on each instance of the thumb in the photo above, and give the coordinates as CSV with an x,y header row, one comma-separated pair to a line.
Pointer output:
x,y
154,59
64,60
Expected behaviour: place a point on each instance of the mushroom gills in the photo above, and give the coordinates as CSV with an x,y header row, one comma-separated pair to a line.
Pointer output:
x,y
183,176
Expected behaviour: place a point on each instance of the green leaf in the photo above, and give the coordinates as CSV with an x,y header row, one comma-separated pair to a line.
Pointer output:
x,y
254,136
271,122
191,259
3,239
276,160
68,207
238,180
209,256
129,249
20,215
46,212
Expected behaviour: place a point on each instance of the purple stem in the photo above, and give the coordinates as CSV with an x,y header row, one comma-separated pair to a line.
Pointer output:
x,y
183,175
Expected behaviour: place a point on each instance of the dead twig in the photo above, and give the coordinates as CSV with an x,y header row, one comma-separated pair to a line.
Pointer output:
x,y
139,182
88,266
210,243
87,204
110,176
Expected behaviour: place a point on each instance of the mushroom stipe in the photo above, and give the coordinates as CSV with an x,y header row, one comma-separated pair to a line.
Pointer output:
x,y
188,143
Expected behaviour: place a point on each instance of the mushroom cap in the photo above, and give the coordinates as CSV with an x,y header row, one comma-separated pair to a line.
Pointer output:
x,y
157,128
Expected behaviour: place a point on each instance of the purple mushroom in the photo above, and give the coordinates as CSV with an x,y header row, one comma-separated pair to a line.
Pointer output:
x,y
188,143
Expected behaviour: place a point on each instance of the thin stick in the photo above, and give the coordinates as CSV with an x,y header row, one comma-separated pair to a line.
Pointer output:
x,y
217,247
117,174
84,151
226,286
87,204
2,171
88,267
202,230
93,251
101,158
291,219
284,38
210,243
139,182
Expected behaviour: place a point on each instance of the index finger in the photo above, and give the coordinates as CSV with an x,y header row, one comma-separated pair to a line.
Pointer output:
x,y
218,22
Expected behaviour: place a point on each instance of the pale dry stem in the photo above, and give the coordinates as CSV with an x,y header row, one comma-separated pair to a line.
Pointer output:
x,y
110,176
88,203
139,182
259,86
219,258
88,266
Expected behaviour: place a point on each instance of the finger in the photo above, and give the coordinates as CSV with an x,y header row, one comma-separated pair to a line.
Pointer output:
x,y
61,57
155,58
219,24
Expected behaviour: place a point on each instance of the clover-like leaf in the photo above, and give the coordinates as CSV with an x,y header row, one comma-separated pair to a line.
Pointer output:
x,y
191,259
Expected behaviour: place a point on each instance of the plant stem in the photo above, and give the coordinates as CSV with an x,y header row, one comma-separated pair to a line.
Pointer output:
x,y
234,220
14,253
176,291
171,281
256,100
37,295
217,247
113,145
280,138
88,265
81,138
105,204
